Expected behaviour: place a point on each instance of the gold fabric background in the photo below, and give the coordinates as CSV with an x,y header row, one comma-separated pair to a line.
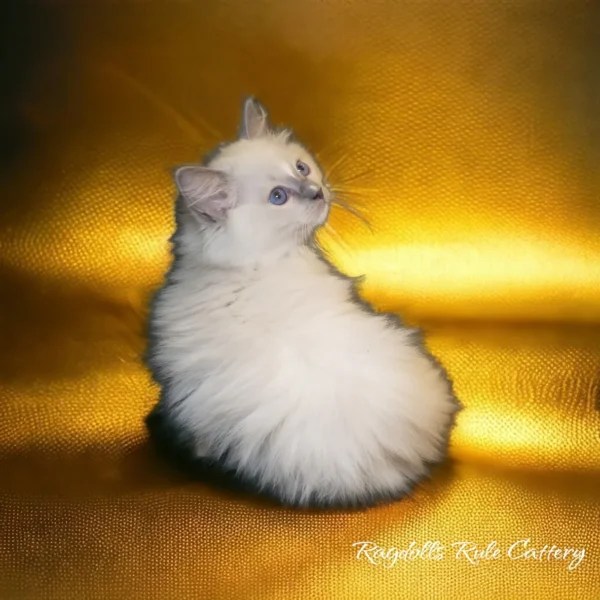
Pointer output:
x,y
469,130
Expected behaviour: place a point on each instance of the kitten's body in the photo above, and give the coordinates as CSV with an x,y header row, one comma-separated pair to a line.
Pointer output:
x,y
272,368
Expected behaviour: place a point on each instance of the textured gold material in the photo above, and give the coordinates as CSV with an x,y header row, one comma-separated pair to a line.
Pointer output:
x,y
469,132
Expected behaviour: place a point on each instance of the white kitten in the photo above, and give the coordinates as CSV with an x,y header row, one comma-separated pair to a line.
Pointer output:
x,y
271,368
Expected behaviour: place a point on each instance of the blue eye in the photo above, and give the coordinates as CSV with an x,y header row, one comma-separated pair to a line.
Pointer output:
x,y
302,168
278,196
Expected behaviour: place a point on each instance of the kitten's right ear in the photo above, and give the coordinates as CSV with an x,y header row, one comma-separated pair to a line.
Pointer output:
x,y
206,192
255,120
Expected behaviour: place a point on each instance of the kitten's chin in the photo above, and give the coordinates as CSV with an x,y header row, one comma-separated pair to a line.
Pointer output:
x,y
315,220
322,215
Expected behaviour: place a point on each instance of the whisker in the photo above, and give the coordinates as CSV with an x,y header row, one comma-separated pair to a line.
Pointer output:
x,y
302,234
352,211
357,191
339,240
330,150
354,177
185,124
336,164
343,195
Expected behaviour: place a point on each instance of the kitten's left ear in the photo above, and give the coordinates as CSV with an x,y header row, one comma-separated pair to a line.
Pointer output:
x,y
205,192
255,120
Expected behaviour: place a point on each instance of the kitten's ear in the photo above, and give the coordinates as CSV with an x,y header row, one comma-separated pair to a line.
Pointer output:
x,y
255,120
205,192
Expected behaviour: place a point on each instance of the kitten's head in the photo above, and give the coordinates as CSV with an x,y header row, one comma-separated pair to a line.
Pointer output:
x,y
256,199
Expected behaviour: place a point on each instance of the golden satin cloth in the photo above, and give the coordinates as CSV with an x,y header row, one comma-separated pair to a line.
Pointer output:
x,y
470,133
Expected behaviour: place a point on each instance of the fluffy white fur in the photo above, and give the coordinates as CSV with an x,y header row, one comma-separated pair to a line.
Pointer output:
x,y
267,356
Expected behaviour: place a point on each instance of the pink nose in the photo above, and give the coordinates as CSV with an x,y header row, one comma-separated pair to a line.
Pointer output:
x,y
312,191
318,195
